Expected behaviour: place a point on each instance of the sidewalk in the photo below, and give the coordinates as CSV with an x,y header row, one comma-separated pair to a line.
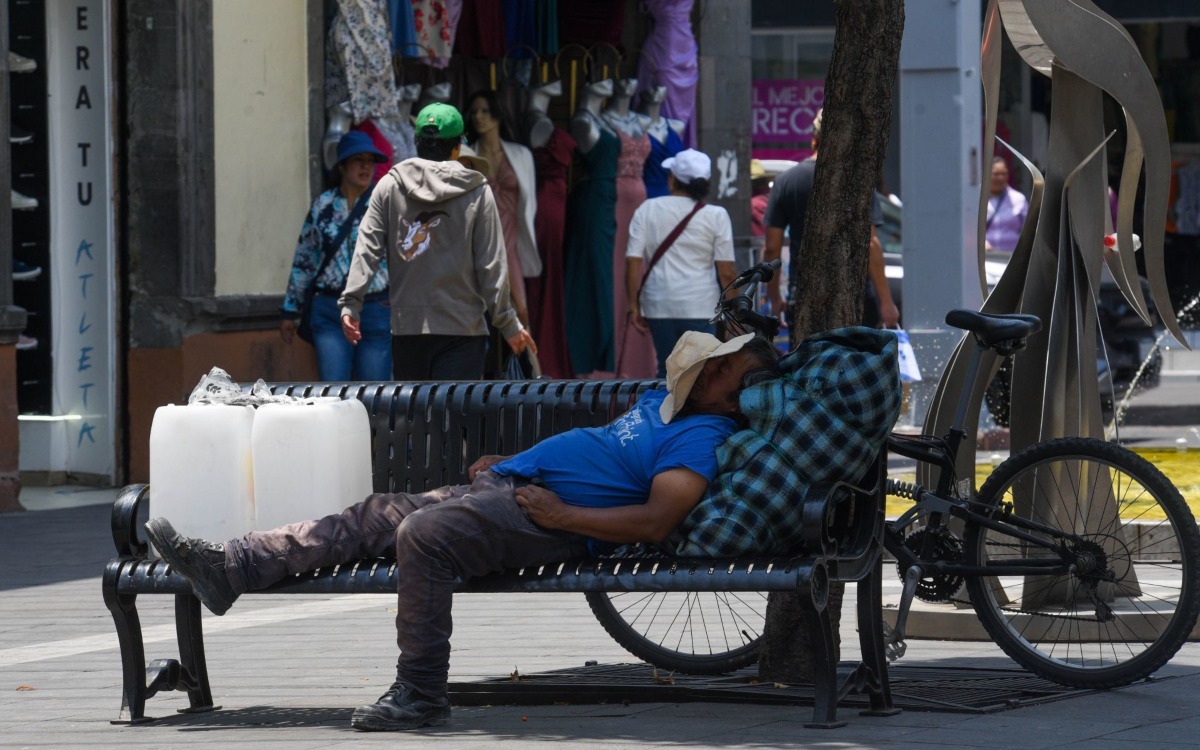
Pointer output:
x,y
289,670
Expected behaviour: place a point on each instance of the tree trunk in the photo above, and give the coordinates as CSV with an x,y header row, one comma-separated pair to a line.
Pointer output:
x,y
837,230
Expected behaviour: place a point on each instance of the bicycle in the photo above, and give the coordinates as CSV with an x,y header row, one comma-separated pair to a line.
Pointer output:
x,y
1079,557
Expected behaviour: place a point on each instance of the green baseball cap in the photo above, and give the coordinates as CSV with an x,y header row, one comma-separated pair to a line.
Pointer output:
x,y
445,118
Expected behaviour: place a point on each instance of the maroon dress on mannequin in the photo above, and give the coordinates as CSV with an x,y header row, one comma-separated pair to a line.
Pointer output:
x,y
547,314
635,350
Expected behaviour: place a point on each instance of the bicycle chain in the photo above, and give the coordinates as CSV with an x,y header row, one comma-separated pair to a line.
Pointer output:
x,y
1022,611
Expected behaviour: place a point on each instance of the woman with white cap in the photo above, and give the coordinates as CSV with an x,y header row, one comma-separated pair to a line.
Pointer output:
x,y
675,242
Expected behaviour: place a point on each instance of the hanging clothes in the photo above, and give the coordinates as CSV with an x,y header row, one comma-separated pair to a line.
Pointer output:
x,y
634,349
669,59
399,132
359,60
591,22
404,32
520,27
481,30
588,282
654,175
547,27
547,314
436,22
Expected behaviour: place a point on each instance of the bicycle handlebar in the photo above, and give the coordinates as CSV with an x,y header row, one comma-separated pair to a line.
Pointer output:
x,y
740,309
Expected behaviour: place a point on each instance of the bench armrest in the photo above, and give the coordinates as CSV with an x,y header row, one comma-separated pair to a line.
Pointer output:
x,y
125,527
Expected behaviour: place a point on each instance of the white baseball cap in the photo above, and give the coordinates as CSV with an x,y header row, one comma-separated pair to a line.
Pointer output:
x,y
689,165
687,359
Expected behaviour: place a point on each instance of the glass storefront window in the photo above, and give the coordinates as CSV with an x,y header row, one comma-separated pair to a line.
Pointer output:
x,y
788,70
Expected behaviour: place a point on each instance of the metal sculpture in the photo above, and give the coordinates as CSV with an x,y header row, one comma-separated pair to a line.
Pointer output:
x,y
1054,271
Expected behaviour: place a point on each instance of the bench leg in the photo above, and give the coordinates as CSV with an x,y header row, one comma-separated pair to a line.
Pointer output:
x,y
194,677
133,655
825,679
870,639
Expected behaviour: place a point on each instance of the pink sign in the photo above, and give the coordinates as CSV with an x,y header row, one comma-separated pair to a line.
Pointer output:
x,y
784,110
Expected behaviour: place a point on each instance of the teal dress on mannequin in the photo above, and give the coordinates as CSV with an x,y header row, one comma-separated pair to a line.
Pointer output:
x,y
588,282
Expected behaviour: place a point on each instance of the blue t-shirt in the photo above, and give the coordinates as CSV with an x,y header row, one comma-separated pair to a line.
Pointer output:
x,y
604,467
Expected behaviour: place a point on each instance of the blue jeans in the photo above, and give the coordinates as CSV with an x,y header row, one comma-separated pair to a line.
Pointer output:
x,y
664,332
435,537
337,359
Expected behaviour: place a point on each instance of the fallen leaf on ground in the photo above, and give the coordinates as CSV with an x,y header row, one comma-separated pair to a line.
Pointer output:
x,y
26,688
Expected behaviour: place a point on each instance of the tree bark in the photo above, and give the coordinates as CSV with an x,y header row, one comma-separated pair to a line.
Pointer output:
x,y
836,238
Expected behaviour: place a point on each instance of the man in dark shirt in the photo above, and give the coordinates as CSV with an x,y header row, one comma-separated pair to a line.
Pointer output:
x,y
787,208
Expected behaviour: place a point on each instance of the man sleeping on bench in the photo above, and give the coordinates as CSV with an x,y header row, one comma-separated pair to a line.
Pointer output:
x,y
631,481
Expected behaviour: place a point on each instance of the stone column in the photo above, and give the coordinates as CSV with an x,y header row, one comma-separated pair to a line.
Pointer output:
x,y
940,175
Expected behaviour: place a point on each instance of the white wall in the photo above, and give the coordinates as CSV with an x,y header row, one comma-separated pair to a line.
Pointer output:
x,y
260,93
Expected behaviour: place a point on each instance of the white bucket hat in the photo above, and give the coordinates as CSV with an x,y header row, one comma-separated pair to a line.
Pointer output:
x,y
687,359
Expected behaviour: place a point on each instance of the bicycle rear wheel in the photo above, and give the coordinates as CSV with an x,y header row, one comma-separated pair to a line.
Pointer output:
x,y
1131,600
690,632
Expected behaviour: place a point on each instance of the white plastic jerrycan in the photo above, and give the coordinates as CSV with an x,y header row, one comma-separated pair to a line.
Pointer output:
x,y
311,459
201,469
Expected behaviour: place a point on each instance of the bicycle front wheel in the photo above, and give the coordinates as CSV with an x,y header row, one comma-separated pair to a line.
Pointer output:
x,y
1130,600
689,632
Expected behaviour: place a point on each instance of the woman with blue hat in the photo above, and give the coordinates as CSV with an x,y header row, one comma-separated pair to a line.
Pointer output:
x,y
319,269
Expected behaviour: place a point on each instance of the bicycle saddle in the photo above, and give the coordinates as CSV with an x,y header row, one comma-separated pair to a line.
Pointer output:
x,y
1004,333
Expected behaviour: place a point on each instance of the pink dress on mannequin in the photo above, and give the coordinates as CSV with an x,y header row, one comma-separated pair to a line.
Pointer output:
x,y
506,190
634,349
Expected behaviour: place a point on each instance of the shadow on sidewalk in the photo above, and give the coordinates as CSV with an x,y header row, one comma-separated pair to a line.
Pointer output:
x,y
51,546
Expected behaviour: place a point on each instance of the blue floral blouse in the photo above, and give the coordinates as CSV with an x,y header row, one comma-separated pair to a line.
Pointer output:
x,y
329,211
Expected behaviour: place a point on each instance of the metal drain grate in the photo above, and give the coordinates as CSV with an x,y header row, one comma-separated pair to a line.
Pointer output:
x,y
956,690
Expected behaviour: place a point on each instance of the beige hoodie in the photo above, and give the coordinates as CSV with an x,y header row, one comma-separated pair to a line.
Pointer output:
x,y
438,224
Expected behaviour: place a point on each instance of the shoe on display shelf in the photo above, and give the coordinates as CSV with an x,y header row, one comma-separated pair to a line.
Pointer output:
x,y
19,135
22,271
20,63
22,202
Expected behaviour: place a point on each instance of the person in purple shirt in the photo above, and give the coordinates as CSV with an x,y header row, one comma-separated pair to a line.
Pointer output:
x,y
633,480
1006,210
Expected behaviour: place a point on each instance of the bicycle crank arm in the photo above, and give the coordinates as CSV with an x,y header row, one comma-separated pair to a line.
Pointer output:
x,y
894,640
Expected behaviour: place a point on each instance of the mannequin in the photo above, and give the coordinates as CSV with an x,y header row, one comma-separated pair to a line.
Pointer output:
x,y
634,349
665,140
652,120
586,123
514,185
553,151
618,114
588,279
538,125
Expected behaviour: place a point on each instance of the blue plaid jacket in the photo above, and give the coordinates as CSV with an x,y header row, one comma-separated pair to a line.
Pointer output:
x,y
824,421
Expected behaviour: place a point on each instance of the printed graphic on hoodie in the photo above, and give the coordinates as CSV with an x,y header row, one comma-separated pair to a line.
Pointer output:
x,y
418,237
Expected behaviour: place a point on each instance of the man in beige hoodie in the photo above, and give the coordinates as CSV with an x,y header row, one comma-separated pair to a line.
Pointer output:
x,y
438,224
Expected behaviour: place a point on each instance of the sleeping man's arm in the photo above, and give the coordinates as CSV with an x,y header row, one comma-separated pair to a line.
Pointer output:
x,y
673,494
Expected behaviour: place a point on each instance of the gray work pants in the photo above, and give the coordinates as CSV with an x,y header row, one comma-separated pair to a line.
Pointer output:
x,y
436,537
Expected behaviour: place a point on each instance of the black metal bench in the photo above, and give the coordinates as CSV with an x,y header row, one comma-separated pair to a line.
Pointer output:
x,y
426,435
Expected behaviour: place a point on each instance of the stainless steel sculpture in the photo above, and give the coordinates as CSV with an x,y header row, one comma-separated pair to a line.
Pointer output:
x,y
1055,269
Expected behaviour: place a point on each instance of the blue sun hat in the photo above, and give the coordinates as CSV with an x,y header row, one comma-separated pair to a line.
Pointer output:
x,y
357,142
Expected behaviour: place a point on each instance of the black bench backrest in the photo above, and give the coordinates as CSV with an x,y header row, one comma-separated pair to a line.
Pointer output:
x,y
426,435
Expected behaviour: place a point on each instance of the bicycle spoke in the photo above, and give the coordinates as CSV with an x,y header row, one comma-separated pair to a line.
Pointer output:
x,y
1131,597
